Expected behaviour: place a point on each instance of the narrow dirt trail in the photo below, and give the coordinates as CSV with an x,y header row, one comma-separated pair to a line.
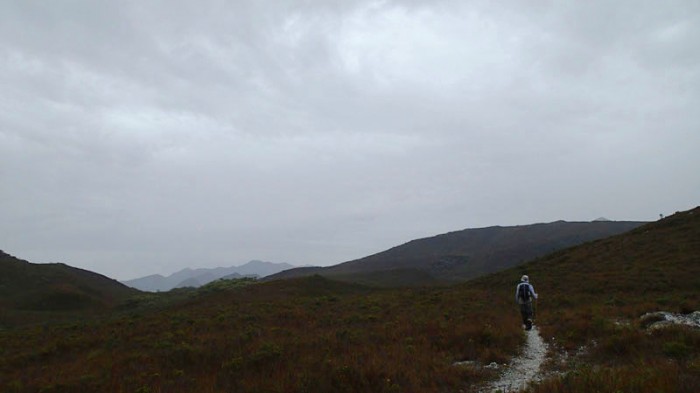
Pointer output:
x,y
524,368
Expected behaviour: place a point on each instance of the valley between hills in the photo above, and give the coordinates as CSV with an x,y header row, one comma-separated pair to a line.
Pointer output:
x,y
386,323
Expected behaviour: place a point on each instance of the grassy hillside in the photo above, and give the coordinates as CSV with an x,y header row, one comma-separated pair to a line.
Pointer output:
x,y
461,255
592,296
318,335
310,334
656,266
33,292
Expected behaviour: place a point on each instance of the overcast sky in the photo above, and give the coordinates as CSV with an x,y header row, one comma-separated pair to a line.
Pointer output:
x,y
141,137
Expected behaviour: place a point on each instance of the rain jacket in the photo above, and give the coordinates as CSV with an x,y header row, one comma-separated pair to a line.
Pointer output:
x,y
533,295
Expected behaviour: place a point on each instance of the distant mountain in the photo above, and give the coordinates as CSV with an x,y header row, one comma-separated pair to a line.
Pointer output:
x,y
461,255
262,269
55,287
235,276
198,277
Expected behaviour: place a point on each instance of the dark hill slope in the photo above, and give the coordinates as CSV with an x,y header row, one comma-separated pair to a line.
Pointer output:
x,y
592,297
651,268
55,287
470,253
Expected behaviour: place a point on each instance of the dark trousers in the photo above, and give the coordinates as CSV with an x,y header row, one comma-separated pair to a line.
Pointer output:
x,y
526,312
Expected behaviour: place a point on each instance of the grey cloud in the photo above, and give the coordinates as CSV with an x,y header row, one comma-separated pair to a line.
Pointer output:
x,y
142,137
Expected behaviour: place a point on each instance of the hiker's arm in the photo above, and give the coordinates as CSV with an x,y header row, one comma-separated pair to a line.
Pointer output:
x,y
532,290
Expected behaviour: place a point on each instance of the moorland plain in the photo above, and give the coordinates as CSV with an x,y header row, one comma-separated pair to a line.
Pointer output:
x,y
318,335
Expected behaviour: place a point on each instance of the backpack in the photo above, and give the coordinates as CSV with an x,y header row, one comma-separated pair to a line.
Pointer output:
x,y
524,292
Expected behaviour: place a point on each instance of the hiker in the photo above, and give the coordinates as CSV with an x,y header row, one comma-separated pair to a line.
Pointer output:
x,y
524,293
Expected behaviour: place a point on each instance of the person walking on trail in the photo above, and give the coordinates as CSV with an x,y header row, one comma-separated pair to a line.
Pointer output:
x,y
524,294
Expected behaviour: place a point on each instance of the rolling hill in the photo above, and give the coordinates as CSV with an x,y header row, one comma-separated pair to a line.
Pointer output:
x,y
55,287
592,298
461,255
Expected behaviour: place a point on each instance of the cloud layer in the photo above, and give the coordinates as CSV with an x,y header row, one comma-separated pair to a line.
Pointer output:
x,y
143,137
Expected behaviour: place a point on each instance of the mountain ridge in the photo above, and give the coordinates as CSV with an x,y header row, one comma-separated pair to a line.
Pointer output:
x,y
468,253
189,277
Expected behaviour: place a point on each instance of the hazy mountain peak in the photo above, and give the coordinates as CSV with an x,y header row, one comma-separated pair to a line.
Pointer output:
x,y
202,276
